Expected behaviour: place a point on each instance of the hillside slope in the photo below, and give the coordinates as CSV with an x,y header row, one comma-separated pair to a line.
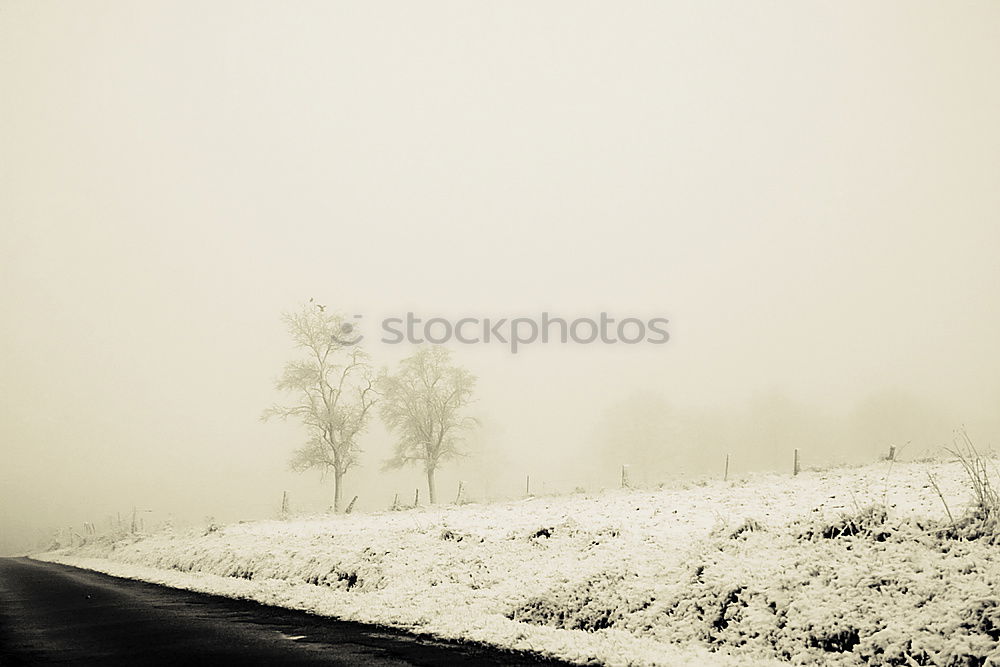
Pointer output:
x,y
844,566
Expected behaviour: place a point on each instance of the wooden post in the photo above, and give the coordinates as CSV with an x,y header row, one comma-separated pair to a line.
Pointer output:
x,y
527,485
395,502
725,475
795,462
625,484
416,497
458,498
350,505
284,503
892,452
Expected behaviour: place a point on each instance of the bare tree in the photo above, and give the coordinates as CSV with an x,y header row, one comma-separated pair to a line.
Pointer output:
x,y
333,386
423,404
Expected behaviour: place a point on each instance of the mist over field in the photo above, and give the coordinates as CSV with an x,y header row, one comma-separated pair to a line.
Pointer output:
x,y
807,193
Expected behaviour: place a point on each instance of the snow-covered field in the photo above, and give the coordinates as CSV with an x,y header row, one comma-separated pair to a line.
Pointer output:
x,y
756,571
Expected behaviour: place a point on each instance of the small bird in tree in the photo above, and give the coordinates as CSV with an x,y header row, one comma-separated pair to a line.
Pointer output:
x,y
423,405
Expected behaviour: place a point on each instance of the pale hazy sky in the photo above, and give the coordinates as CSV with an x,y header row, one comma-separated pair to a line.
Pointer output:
x,y
810,191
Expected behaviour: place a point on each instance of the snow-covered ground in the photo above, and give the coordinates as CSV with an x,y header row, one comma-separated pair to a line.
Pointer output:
x,y
754,571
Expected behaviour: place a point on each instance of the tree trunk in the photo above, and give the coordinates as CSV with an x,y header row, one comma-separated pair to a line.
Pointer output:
x,y
430,486
338,490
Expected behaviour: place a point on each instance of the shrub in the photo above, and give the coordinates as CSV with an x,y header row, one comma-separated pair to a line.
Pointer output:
x,y
868,522
983,518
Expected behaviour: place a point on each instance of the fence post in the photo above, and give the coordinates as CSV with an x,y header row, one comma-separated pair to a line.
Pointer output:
x,y
725,475
795,462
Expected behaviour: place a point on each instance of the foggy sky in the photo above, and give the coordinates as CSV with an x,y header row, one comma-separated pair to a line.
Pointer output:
x,y
808,191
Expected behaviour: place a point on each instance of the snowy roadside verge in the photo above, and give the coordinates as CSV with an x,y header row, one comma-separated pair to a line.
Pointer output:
x,y
612,648
677,576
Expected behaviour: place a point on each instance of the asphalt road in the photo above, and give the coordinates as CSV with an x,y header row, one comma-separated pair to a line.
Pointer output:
x,y
55,614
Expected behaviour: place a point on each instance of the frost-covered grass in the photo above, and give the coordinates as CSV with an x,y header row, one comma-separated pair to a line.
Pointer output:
x,y
841,566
